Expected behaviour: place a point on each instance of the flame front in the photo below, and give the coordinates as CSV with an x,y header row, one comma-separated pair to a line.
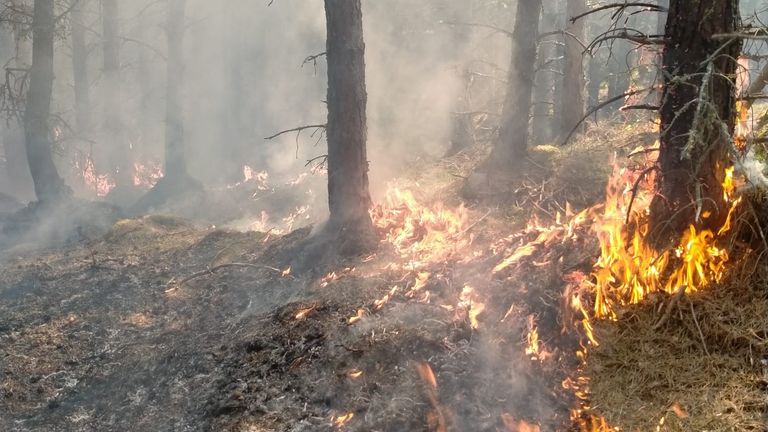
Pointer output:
x,y
419,233
628,269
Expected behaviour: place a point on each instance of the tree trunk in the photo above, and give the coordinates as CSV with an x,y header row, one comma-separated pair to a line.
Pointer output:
x,y
175,161
694,145
573,72
80,67
48,185
544,108
515,117
348,196
19,178
120,163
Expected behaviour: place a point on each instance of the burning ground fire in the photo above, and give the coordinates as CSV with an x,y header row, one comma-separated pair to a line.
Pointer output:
x,y
627,269
145,176
424,238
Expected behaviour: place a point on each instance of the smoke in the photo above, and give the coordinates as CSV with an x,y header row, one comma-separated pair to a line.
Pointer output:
x,y
245,79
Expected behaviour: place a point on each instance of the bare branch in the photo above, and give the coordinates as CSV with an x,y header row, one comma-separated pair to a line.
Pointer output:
x,y
621,6
298,129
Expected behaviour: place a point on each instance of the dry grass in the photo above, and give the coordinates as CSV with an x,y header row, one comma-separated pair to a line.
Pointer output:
x,y
703,370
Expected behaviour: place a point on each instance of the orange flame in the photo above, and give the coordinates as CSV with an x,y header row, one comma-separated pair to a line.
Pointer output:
x,y
628,269
340,421
513,425
469,306
100,184
419,233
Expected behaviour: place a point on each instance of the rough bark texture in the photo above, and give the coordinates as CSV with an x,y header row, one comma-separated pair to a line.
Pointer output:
x,y
573,71
48,185
694,144
175,161
80,67
348,195
512,144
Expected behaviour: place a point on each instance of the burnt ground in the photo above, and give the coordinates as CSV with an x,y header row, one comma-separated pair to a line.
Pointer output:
x,y
99,333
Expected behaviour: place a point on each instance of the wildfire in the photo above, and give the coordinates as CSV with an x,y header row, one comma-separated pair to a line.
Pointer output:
x,y
419,233
341,420
513,425
100,184
354,373
469,306
628,269
304,312
146,175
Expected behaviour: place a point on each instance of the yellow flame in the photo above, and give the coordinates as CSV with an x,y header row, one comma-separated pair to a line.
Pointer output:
x,y
628,269
419,233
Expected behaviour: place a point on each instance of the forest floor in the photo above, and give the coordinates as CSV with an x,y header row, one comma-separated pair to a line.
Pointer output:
x,y
161,324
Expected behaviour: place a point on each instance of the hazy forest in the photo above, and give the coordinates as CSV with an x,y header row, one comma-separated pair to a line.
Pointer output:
x,y
384,215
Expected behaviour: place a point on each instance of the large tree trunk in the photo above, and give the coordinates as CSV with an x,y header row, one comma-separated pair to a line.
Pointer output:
x,y
694,145
19,178
573,72
512,144
80,67
120,163
48,185
348,195
175,160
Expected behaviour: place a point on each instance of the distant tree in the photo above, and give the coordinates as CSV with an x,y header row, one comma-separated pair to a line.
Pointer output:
x,y
512,143
697,116
176,180
49,186
80,66
175,158
574,84
120,161
348,195
546,112
20,182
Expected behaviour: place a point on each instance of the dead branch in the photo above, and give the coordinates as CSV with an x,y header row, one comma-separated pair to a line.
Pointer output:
x,y
598,108
564,33
213,270
313,59
698,327
671,305
638,37
640,107
635,189
620,6
298,129
752,34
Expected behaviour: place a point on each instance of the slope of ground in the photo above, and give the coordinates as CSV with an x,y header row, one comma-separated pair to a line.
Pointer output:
x,y
458,324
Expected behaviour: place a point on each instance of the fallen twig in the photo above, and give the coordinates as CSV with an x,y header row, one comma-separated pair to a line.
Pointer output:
x,y
671,305
213,270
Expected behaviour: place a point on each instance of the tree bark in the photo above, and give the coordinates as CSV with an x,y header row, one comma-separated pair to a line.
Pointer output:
x,y
512,143
80,67
698,109
48,185
573,71
175,160
348,195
